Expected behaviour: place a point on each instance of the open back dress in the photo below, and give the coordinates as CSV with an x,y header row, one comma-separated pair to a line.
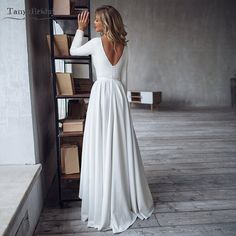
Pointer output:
x,y
113,186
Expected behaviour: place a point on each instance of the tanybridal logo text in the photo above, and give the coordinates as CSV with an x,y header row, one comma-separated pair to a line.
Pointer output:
x,y
33,13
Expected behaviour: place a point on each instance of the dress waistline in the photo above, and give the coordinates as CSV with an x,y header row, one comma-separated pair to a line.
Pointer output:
x,y
107,78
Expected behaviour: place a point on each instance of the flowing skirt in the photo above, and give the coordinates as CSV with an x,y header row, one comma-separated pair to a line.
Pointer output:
x,y
113,186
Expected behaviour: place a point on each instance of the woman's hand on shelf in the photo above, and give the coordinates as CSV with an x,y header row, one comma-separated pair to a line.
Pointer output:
x,y
83,20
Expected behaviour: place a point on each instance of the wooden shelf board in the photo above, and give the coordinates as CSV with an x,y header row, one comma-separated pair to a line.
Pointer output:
x,y
73,57
135,101
64,17
71,176
81,95
71,134
85,35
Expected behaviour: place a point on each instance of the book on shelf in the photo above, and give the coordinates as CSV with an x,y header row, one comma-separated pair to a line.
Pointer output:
x,y
65,83
82,85
73,125
61,45
76,109
69,159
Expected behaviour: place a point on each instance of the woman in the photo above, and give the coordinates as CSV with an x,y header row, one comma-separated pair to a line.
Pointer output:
x,y
113,187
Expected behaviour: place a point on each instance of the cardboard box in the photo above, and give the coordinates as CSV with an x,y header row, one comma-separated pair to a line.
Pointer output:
x,y
61,7
75,125
65,83
61,45
69,159
68,7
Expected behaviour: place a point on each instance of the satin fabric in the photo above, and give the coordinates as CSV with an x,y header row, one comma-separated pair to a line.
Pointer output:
x,y
113,186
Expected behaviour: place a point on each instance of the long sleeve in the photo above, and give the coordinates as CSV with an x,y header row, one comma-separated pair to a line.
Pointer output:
x,y
77,49
124,73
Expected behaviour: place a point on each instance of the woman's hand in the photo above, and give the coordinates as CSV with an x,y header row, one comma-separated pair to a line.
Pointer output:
x,y
83,20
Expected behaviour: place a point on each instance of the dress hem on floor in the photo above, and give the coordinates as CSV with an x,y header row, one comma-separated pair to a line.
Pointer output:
x,y
121,229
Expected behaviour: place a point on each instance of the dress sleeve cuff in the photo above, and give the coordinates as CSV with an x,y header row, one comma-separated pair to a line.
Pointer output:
x,y
80,31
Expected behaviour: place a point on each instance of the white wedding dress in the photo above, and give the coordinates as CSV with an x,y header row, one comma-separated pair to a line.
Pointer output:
x,y
113,186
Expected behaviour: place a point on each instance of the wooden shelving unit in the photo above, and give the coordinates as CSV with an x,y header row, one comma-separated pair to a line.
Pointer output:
x,y
67,137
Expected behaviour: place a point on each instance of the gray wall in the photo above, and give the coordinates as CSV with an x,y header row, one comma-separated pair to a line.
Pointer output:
x,y
16,130
184,48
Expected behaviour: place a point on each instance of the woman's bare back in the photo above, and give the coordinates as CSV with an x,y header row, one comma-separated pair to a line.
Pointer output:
x,y
112,55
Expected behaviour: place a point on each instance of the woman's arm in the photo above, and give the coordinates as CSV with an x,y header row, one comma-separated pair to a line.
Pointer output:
x,y
77,49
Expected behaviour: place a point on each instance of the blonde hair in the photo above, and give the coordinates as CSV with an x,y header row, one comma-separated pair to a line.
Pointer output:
x,y
112,24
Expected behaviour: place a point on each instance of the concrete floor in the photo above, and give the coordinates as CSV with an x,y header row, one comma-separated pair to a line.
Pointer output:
x,y
189,157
